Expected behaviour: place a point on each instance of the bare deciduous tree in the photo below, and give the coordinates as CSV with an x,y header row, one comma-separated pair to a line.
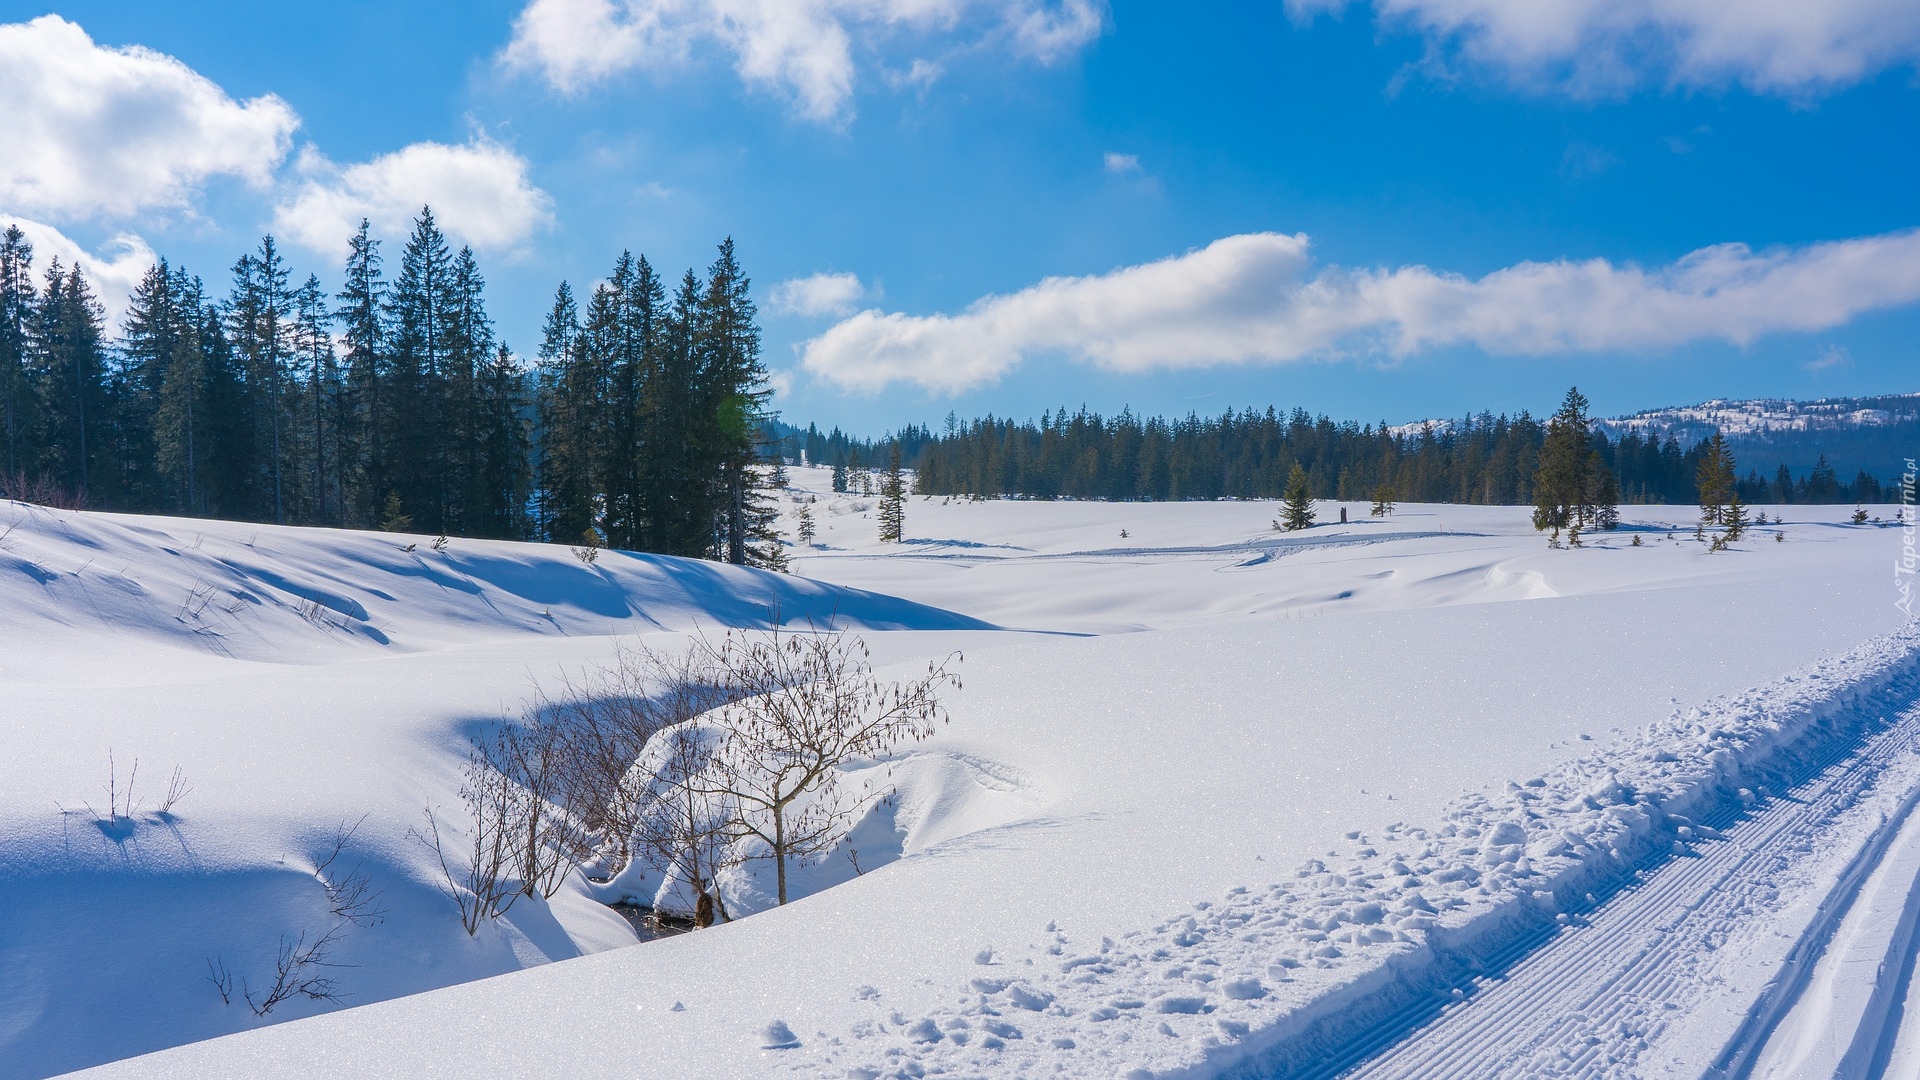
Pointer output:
x,y
801,706
478,879
683,825
532,771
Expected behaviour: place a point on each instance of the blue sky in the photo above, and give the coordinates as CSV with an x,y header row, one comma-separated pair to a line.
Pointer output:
x,y
888,167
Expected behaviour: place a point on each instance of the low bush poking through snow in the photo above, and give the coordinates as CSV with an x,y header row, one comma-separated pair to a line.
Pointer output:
x,y
687,766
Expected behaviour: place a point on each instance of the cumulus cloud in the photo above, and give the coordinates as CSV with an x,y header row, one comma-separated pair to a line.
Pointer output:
x,y
1257,298
818,294
479,191
113,272
803,49
89,130
1793,47
1122,164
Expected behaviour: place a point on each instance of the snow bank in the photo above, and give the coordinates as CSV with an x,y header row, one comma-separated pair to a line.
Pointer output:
x,y
302,680
299,595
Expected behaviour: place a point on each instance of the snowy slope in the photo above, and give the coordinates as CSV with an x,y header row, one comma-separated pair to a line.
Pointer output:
x,y
1285,706
301,680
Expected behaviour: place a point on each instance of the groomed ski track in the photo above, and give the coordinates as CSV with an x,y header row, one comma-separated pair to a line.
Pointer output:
x,y
1596,999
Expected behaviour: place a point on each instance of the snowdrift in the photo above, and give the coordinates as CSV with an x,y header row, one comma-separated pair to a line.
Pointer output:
x,y
303,681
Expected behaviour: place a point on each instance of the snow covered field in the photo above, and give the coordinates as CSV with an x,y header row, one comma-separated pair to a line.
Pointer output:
x,y
1214,799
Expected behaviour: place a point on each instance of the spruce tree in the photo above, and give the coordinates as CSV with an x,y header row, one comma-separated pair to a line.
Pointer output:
x,y
505,473
68,337
17,399
260,330
464,430
1735,517
893,500
1567,464
1603,497
420,308
366,424
181,434
321,406
566,445
1296,511
1382,501
805,530
149,344
1715,479
840,477
735,393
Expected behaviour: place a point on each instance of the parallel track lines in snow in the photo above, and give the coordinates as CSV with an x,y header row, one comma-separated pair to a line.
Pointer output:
x,y
1591,999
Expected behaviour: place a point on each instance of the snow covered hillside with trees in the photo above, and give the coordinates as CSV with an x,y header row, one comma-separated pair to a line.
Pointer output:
x,y
1212,798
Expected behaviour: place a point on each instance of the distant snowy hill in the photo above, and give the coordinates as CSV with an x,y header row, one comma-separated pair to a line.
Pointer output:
x,y
1872,433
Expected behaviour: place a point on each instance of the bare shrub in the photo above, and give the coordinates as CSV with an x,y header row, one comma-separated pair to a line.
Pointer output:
x,y
531,766
39,490
800,707
478,876
120,802
177,789
683,825
350,893
221,978
299,970
603,721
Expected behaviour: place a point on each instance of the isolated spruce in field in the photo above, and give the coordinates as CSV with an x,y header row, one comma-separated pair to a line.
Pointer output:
x,y
1715,479
1574,488
1859,515
1382,501
1734,518
1296,512
806,525
893,501
1604,497
839,478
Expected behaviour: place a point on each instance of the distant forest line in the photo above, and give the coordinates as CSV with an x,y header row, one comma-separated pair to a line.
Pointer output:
x,y
641,424
1483,459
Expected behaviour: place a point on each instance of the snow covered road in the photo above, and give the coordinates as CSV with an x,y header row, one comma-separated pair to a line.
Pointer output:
x,y
1598,1000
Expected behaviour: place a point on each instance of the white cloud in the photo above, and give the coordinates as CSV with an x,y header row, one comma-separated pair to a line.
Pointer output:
x,y
480,194
803,49
1793,47
87,130
780,381
1831,357
1255,298
113,274
918,77
819,294
1122,164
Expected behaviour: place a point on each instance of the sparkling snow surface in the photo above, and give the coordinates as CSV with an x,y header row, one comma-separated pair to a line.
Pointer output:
x,y
1156,835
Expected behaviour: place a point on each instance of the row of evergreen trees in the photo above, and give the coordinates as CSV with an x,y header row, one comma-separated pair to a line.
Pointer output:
x,y
391,403
1482,459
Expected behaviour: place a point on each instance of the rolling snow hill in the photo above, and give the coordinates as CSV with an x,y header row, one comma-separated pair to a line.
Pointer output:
x,y
1207,788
